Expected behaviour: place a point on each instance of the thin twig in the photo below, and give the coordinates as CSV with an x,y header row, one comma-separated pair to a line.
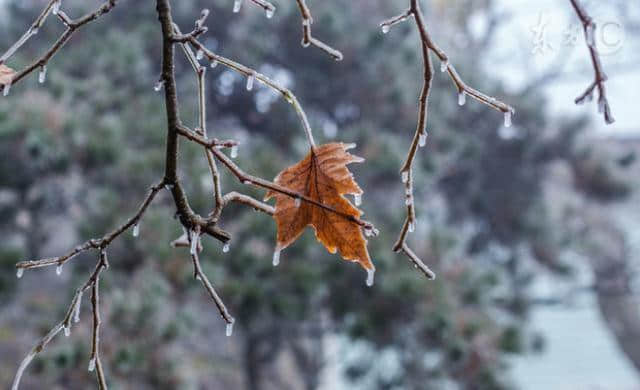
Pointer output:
x,y
589,27
308,39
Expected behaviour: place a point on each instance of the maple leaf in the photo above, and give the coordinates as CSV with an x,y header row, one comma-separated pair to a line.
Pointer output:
x,y
6,75
323,177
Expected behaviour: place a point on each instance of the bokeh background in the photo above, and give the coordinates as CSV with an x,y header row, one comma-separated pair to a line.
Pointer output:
x,y
533,230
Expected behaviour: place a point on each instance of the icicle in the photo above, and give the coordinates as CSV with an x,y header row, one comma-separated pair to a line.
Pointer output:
x,y
405,176
385,28
136,230
234,151
507,119
422,140
56,7
237,4
269,12
6,89
76,312
20,272
276,256
250,79
229,330
67,331
194,242
198,278
225,248
462,98
412,227
199,54
370,275
34,30
213,64
368,232
444,65
42,76
59,269
297,202
357,199
92,364
158,86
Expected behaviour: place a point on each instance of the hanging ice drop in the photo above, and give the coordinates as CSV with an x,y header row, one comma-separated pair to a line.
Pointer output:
x,y
412,226
92,364
225,248
422,140
507,119
297,202
20,272
357,199
67,331
42,76
59,269
6,89
405,176
194,243
462,98
229,330
250,79
385,28
276,256
213,64
370,275
444,65
234,151
136,230
269,12
199,54
158,86
56,7
237,4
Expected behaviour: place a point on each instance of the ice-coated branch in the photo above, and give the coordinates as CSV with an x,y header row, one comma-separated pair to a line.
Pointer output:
x,y
427,46
589,27
308,39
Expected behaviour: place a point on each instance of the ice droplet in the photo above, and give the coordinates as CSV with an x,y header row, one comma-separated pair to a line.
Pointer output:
x,y
158,86
405,176
56,7
370,275
76,312
306,22
276,256
444,65
213,64
507,119
368,232
305,42
234,151
59,269
136,230
385,28
34,30
199,54
194,242
269,12
6,89
92,364
422,140
229,330
67,331
20,272
225,248
237,4
250,79
462,98
412,227
297,202
409,201
357,199
42,76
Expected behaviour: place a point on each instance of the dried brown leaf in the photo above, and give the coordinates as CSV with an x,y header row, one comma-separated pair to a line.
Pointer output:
x,y
322,176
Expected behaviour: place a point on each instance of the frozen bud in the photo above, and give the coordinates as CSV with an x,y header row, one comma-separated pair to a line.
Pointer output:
x,y
20,272
42,76
462,98
444,65
56,7
237,4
